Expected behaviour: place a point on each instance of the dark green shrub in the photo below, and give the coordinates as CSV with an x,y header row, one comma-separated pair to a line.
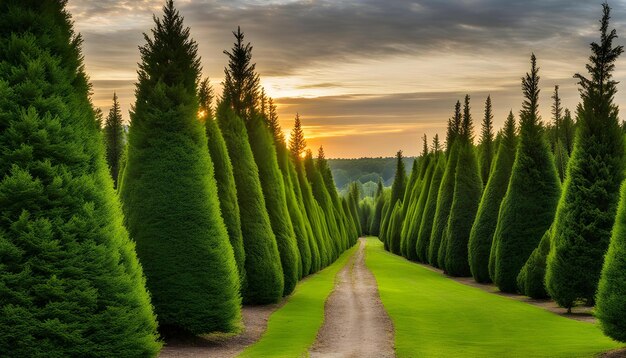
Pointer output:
x,y
444,203
71,284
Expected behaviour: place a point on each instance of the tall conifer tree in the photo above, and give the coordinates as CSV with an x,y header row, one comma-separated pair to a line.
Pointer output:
x,y
114,138
241,82
181,238
528,207
71,282
486,142
586,211
467,190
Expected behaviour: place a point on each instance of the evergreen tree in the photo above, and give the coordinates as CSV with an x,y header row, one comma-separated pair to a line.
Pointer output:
x,y
436,147
114,139
181,238
264,273
428,215
410,206
568,132
272,184
561,155
347,228
241,82
486,142
531,279
223,171
528,207
395,226
467,191
414,221
378,209
586,212
297,143
397,192
70,280
481,237
274,125
611,298
446,190
293,196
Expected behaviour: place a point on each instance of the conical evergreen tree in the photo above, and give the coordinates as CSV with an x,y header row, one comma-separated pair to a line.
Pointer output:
x,y
70,280
486,142
410,207
346,228
446,191
531,279
430,206
223,171
611,299
293,206
568,132
414,221
484,226
114,138
561,155
378,209
297,143
272,184
264,273
468,188
241,82
528,207
586,211
181,238
397,193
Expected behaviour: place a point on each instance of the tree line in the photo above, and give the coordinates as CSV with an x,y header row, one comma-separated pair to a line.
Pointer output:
x,y
108,240
537,209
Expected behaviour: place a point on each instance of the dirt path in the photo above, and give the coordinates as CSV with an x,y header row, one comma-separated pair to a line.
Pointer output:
x,y
356,323
579,313
255,321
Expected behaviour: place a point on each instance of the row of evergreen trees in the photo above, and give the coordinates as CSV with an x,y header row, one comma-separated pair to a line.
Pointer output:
x,y
212,208
536,209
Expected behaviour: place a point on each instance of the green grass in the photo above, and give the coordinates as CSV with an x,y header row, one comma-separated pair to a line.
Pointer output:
x,y
434,316
292,329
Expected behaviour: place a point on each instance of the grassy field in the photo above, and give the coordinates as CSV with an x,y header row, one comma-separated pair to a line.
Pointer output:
x,y
437,317
292,329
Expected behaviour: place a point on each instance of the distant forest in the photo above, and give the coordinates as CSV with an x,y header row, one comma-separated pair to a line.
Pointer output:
x,y
366,172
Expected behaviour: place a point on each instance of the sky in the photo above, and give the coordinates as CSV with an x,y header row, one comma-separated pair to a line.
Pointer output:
x,y
369,77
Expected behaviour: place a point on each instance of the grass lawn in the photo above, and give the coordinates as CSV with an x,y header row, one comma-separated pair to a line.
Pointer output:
x,y
436,317
292,329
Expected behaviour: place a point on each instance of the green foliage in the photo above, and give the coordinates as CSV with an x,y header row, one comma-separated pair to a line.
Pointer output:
x,y
70,281
363,170
378,211
486,142
442,211
264,273
528,207
467,191
227,193
397,193
273,188
586,211
181,238
316,221
241,82
223,172
611,299
295,210
531,279
414,219
114,139
426,224
481,236
395,228
297,143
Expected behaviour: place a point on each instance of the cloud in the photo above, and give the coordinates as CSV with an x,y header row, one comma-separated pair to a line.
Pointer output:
x,y
364,63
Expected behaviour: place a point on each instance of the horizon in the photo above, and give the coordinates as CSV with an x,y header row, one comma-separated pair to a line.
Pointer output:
x,y
364,72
